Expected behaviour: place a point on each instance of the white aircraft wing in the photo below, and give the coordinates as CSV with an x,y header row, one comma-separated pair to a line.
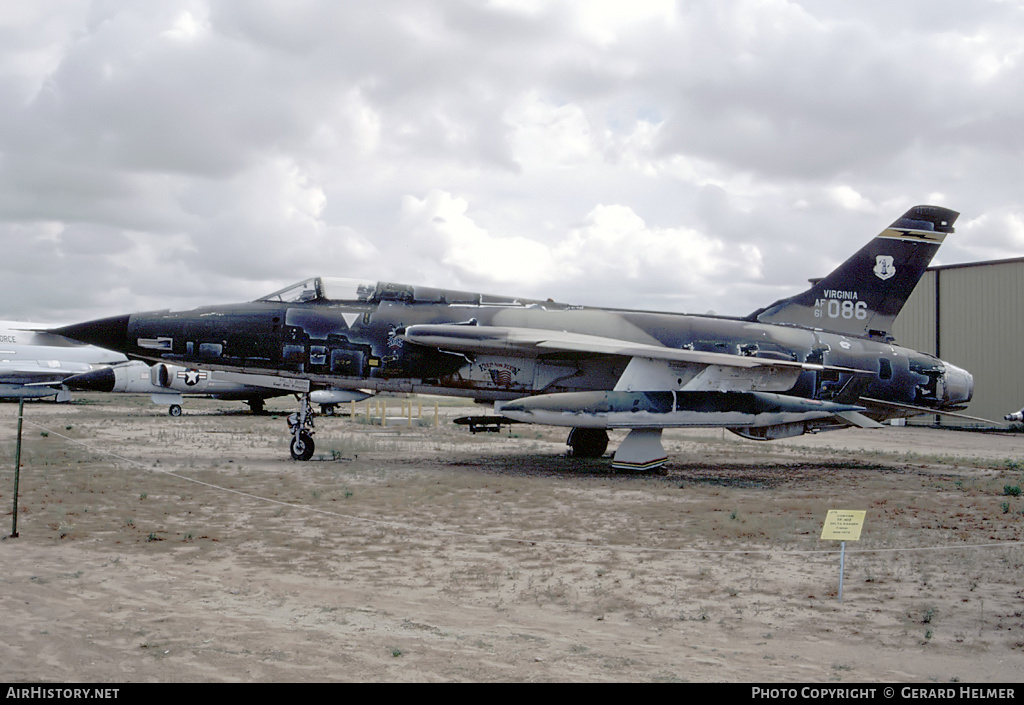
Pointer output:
x,y
38,373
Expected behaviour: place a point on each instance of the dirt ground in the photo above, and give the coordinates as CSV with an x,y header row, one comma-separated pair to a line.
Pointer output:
x,y
155,549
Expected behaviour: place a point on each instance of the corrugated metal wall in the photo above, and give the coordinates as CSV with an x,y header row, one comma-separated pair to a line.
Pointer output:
x,y
915,326
975,322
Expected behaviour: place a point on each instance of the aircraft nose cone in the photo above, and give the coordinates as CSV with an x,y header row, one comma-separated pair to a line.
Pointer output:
x,y
110,333
513,407
101,380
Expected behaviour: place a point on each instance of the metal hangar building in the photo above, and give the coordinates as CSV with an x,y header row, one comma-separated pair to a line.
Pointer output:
x,y
971,315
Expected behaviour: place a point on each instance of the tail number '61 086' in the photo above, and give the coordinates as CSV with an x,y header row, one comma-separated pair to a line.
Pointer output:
x,y
834,308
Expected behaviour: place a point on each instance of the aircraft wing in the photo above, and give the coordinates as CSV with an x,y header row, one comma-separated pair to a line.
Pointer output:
x,y
531,342
32,373
923,410
32,379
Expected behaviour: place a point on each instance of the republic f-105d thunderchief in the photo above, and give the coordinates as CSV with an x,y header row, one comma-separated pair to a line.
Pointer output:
x,y
821,360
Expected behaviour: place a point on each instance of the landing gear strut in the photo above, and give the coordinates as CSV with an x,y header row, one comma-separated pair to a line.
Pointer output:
x,y
301,425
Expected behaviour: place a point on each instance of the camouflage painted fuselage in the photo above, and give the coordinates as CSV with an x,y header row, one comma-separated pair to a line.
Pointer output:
x,y
361,343
822,359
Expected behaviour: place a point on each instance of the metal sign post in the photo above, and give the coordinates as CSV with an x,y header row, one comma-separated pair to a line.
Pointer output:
x,y
842,567
842,525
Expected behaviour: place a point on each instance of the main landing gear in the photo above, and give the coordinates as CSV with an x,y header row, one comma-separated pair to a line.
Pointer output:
x,y
587,442
641,451
301,425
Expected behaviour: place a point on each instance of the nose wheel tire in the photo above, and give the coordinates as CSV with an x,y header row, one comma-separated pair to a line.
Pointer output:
x,y
302,447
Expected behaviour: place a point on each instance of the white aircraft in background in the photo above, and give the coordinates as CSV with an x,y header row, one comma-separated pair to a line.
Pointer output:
x,y
167,383
34,364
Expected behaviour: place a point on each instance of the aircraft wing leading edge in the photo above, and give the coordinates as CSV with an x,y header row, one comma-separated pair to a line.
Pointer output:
x,y
531,342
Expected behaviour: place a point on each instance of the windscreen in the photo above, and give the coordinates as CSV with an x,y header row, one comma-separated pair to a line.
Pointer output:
x,y
324,288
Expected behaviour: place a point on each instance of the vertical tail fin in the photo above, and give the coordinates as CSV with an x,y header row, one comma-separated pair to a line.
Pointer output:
x,y
865,294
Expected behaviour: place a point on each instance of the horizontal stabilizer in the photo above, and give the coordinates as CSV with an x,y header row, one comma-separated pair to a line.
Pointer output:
x,y
918,410
855,418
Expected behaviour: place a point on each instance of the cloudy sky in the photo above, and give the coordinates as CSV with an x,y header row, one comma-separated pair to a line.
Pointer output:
x,y
686,156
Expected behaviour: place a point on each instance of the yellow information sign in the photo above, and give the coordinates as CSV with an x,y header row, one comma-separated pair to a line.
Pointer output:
x,y
843,525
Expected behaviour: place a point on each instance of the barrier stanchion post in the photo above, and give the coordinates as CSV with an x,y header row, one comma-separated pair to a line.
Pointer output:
x,y
17,469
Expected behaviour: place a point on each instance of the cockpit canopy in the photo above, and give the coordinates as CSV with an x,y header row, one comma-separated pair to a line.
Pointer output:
x,y
339,290
325,289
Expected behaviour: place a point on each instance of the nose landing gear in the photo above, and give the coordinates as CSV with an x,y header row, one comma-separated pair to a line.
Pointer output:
x,y
301,426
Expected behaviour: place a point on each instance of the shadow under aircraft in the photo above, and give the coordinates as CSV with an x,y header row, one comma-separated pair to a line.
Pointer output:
x,y
821,360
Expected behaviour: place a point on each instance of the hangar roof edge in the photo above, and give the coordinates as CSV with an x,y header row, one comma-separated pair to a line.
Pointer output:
x,y
960,265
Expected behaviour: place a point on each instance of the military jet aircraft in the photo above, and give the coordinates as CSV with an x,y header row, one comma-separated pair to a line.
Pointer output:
x,y
33,364
167,383
821,360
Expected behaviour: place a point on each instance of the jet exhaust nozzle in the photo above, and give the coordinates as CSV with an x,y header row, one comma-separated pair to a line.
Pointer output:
x,y
959,384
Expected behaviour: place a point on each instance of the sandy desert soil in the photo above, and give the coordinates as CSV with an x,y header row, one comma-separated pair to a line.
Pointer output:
x,y
193,549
